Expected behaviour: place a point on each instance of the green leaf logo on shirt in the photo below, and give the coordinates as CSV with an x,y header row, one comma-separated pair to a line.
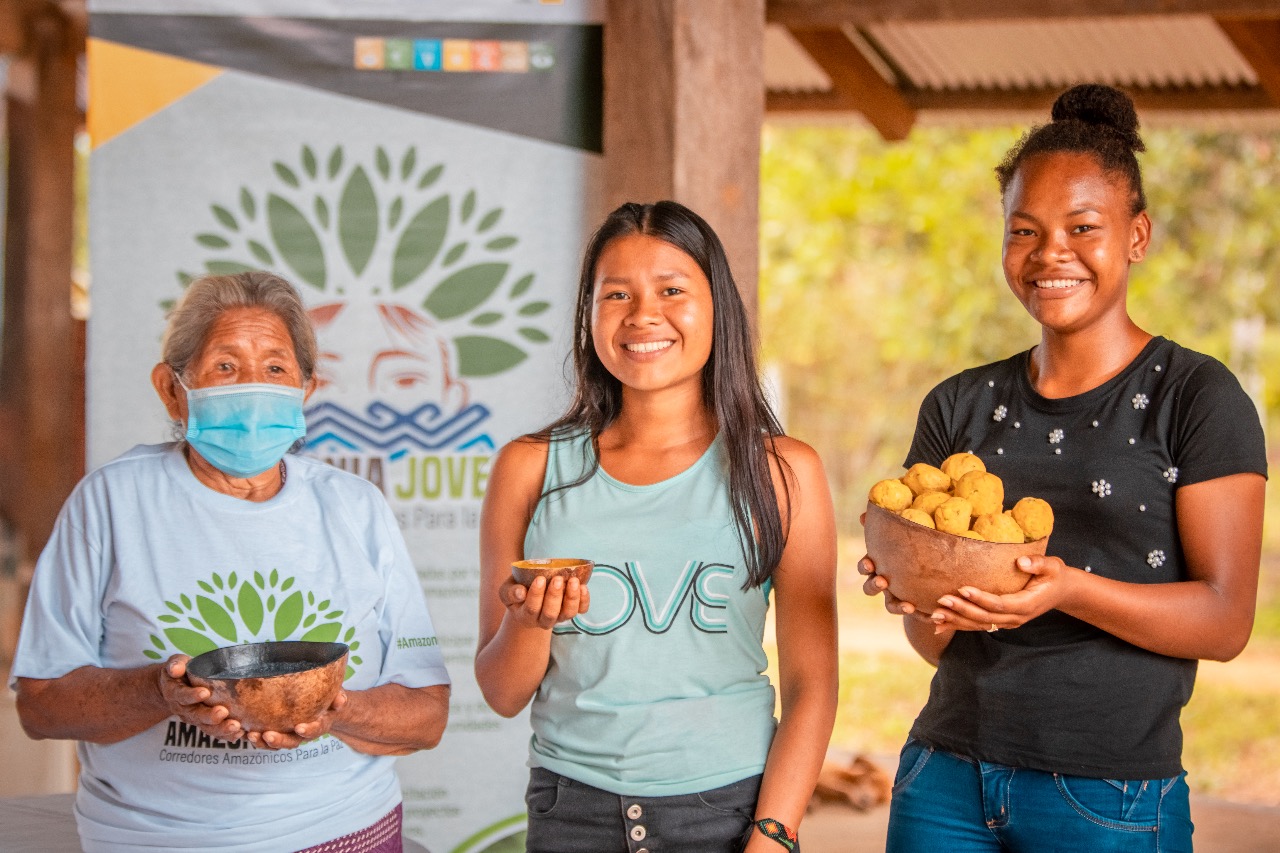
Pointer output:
x,y
385,229
225,611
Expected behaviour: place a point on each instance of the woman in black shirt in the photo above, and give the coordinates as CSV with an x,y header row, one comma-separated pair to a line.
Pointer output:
x,y
1052,722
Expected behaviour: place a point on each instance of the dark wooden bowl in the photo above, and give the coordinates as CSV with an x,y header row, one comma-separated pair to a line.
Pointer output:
x,y
272,687
525,571
922,564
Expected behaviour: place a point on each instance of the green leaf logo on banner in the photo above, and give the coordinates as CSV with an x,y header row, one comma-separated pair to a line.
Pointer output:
x,y
465,290
420,242
484,356
296,240
358,220
236,609
386,225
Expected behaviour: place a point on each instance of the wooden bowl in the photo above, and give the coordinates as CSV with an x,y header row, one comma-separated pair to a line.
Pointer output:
x,y
525,571
922,564
272,687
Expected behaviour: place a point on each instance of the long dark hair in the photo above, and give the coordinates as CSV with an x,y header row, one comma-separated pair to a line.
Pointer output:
x,y
730,384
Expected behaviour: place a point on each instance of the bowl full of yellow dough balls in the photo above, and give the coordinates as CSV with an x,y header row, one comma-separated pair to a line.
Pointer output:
x,y
936,529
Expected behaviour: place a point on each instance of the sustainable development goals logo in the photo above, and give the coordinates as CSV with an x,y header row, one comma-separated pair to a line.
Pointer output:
x,y
415,289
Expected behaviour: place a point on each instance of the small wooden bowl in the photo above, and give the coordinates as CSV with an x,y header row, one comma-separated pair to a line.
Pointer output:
x,y
525,571
922,564
272,687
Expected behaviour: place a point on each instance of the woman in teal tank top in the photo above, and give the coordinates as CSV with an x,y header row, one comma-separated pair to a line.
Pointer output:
x,y
653,720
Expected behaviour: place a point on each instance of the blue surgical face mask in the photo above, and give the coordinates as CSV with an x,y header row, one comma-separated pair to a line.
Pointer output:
x,y
243,430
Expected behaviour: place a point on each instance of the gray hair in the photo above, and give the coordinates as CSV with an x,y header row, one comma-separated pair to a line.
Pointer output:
x,y
209,296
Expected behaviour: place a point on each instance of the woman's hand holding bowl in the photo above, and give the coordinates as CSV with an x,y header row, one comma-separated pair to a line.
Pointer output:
x,y
544,604
877,585
302,732
972,609
187,702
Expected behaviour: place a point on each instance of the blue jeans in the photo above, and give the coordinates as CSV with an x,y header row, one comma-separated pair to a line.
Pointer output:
x,y
947,802
566,816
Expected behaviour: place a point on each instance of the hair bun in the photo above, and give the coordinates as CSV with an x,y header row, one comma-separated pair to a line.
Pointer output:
x,y
1107,106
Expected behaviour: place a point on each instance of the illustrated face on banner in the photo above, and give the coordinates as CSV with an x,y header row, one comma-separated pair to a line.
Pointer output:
x,y
412,291
405,358
409,356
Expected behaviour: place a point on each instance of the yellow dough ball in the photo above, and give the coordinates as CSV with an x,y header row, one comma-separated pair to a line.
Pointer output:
x,y
918,517
953,516
998,527
958,464
922,478
893,495
1034,516
971,534
929,502
985,491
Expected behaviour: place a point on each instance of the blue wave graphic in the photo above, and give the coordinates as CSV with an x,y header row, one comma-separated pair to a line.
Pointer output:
x,y
384,429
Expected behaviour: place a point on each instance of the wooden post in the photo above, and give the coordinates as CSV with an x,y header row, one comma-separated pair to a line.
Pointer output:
x,y
42,391
683,111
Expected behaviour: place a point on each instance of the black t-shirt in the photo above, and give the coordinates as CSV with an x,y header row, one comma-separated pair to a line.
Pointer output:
x,y
1058,694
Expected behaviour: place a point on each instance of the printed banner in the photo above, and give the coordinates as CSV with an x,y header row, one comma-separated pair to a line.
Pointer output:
x,y
420,173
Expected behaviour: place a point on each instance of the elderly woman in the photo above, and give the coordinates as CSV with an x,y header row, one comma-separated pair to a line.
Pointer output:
x,y
220,538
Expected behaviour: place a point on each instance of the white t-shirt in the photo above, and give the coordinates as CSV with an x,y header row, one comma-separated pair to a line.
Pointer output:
x,y
144,562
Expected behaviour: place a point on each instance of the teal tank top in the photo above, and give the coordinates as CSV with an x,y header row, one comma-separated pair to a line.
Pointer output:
x,y
659,688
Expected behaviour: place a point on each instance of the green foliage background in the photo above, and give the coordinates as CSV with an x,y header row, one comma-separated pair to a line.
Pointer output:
x,y
880,275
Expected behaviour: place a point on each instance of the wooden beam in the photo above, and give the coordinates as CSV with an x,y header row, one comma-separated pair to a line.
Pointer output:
x,y
1227,98
12,36
833,13
683,111
42,388
17,17
855,80
1259,43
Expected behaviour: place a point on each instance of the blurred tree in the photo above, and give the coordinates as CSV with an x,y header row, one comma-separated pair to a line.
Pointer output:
x,y
1215,199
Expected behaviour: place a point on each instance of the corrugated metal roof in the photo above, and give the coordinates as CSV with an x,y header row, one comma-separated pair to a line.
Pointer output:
x,y
1140,51
1180,54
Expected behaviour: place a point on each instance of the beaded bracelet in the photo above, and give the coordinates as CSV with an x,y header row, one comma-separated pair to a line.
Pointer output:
x,y
778,831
